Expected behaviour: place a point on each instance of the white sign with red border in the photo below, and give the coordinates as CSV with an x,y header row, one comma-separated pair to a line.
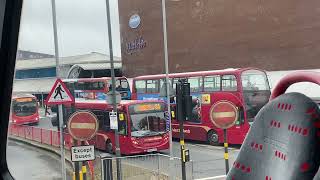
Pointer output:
x,y
59,94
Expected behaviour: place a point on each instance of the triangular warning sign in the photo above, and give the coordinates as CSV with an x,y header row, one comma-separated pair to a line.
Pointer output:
x,y
59,94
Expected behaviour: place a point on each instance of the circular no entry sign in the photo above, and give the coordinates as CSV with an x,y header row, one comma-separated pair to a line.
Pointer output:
x,y
83,125
223,114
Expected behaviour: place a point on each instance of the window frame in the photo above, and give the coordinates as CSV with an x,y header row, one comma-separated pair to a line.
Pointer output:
x,y
212,76
236,81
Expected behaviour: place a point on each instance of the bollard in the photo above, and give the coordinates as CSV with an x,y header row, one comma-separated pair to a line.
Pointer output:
x,y
84,171
107,169
80,175
226,154
73,176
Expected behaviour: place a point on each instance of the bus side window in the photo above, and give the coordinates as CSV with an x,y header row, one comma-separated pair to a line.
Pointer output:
x,y
124,84
152,86
103,119
122,123
212,83
174,84
67,111
240,120
195,84
140,86
229,83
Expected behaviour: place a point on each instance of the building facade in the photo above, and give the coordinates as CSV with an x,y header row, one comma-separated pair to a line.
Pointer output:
x,y
37,76
207,34
25,55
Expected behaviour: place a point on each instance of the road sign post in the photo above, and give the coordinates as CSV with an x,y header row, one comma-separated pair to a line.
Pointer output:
x,y
59,95
224,115
119,173
82,126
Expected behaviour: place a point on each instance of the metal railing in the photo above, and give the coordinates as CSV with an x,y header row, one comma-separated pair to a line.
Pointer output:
x,y
145,167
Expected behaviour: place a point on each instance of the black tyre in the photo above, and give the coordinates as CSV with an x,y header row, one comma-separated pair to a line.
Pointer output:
x,y
213,138
109,147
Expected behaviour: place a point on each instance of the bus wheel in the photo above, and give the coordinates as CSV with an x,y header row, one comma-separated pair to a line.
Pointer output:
x,y
109,147
213,138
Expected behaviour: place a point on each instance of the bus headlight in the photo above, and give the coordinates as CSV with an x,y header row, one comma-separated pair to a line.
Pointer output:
x,y
134,141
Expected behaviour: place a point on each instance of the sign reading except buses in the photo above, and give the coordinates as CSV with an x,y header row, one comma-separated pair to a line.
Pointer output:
x,y
83,125
223,114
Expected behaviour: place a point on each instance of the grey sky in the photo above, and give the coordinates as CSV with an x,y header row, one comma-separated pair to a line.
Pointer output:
x,y
82,27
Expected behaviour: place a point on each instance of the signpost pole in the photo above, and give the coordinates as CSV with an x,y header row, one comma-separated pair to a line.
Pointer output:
x,y
224,115
165,43
56,46
166,64
226,155
62,142
119,174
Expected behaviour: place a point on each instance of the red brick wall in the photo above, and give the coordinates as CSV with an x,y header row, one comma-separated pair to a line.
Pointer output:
x,y
217,34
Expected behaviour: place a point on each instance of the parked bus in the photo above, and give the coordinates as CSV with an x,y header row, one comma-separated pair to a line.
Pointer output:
x,y
247,88
141,124
96,88
24,109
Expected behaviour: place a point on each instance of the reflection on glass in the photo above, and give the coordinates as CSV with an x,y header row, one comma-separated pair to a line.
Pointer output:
x,y
148,124
256,91
24,108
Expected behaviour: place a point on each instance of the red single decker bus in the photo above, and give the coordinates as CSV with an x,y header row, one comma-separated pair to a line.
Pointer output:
x,y
141,125
247,89
25,109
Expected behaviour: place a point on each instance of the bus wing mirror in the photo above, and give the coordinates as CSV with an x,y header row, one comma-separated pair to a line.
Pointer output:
x,y
163,90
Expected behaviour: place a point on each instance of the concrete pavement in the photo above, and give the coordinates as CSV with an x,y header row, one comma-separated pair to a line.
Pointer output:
x,y
27,162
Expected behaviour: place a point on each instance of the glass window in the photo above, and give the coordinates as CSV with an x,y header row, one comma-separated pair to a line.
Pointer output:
x,y
174,84
148,124
35,73
254,80
121,85
152,86
124,84
103,119
24,108
195,84
122,124
229,83
212,83
140,86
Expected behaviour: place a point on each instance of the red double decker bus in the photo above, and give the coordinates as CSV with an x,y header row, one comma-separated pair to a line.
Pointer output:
x,y
25,109
246,88
96,88
141,125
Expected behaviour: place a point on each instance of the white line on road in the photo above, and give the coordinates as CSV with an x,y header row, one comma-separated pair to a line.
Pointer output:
x,y
214,177
212,147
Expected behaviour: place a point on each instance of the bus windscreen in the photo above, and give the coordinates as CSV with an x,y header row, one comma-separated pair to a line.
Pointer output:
x,y
147,119
256,91
24,106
